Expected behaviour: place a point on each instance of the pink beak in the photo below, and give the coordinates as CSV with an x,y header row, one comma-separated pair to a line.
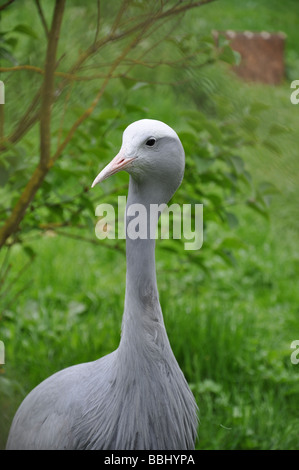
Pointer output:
x,y
117,164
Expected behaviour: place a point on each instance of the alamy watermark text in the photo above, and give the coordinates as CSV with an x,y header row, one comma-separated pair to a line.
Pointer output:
x,y
186,222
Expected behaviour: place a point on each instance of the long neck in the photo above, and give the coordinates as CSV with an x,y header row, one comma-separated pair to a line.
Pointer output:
x,y
142,319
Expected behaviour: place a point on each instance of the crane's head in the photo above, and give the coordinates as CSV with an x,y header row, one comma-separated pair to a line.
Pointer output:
x,y
151,150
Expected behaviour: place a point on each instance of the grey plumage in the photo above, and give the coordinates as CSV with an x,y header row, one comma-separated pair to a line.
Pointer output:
x,y
137,396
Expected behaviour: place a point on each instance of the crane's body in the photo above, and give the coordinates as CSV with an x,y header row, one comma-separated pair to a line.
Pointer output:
x,y
136,397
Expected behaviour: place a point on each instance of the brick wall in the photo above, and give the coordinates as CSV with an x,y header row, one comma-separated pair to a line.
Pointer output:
x,y
262,55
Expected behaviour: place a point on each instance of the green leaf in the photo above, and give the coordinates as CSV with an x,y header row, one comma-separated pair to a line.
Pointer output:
x,y
276,129
29,251
264,192
270,145
11,42
76,308
232,243
5,54
134,108
214,131
237,164
227,256
56,209
213,198
127,82
108,113
194,115
138,85
232,220
246,177
25,29
203,164
250,123
238,57
227,55
257,107
258,207
90,222
266,188
88,204
222,40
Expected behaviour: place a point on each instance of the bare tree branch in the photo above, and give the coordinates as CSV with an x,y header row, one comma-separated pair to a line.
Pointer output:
x,y
137,27
93,241
24,124
120,13
13,221
32,114
42,17
98,20
2,7
88,111
33,68
48,85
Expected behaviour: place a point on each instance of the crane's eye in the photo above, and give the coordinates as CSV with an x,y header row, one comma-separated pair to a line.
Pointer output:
x,y
150,142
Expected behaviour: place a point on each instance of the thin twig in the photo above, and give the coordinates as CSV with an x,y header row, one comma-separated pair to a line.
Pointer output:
x,y
66,101
137,27
88,111
16,278
119,15
42,17
98,20
33,68
24,126
93,241
48,85
2,7
95,198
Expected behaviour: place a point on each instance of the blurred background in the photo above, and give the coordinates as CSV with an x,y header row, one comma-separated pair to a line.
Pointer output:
x,y
220,74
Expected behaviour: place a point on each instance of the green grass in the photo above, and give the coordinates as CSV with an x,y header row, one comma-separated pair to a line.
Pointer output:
x,y
231,334
234,345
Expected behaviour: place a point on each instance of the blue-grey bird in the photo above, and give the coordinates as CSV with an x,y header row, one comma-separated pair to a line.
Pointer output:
x,y
137,396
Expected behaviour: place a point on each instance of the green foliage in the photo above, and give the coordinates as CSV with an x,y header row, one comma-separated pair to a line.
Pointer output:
x,y
9,41
215,175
